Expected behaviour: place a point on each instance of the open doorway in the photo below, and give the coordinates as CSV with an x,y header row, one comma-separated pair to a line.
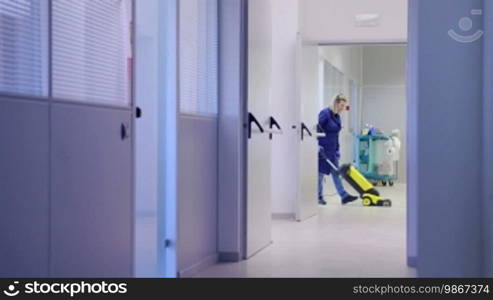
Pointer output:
x,y
308,248
345,240
372,78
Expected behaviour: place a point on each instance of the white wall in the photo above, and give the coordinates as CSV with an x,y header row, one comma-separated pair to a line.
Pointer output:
x,y
284,163
384,65
146,136
231,134
197,138
384,93
197,213
156,139
348,59
334,20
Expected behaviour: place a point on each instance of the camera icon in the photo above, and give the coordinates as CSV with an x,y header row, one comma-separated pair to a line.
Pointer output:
x,y
11,290
465,24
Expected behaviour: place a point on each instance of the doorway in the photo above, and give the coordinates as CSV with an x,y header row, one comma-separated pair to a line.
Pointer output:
x,y
373,79
350,240
278,235
294,128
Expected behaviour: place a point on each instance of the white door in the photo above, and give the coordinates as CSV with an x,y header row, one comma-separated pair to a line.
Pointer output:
x,y
258,218
308,92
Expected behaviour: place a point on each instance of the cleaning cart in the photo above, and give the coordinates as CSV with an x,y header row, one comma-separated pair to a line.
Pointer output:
x,y
370,153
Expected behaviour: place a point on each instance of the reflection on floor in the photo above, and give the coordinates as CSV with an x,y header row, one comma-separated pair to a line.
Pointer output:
x,y
349,241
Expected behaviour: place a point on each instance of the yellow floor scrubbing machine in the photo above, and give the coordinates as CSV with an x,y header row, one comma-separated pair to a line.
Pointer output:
x,y
367,192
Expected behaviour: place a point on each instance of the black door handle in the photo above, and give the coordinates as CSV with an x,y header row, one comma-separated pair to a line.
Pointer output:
x,y
138,112
272,123
124,131
303,129
252,119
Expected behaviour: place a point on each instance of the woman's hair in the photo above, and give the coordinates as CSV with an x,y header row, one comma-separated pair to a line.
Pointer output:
x,y
339,98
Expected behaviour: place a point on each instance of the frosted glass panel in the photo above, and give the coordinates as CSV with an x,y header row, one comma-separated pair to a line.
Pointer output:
x,y
333,82
91,50
24,47
198,48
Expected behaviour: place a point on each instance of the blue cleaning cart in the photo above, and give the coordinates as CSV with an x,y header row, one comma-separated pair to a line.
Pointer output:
x,y
366,162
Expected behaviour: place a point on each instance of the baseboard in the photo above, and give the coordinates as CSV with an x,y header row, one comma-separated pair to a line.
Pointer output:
x,y
412,261
196,268
283,216
229,257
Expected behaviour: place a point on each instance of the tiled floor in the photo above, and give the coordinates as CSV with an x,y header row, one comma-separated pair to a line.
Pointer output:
x,y
349,241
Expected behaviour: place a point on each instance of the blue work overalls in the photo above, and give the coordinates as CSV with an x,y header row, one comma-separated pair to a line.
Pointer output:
x,y
330,124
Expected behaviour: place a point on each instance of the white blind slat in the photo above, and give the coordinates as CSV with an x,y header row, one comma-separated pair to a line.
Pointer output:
x,y
91,50
198,48
23,47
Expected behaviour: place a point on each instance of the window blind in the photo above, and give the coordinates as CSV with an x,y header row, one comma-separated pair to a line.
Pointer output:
x,y
91,50
24,47
198,51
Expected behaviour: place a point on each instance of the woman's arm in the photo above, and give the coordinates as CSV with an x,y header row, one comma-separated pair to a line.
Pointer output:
x,y
322,119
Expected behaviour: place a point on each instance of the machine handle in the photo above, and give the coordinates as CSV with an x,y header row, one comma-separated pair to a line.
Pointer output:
x,y
320,131
323,156
252,119
303,129
272,123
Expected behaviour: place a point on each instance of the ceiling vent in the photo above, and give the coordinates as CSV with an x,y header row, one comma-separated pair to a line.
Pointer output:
x,y
367,20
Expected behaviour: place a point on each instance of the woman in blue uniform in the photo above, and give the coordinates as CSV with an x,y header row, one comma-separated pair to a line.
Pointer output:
x,y
329,121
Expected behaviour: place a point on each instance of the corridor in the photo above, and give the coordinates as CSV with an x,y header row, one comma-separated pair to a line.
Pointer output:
x,y
349,241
